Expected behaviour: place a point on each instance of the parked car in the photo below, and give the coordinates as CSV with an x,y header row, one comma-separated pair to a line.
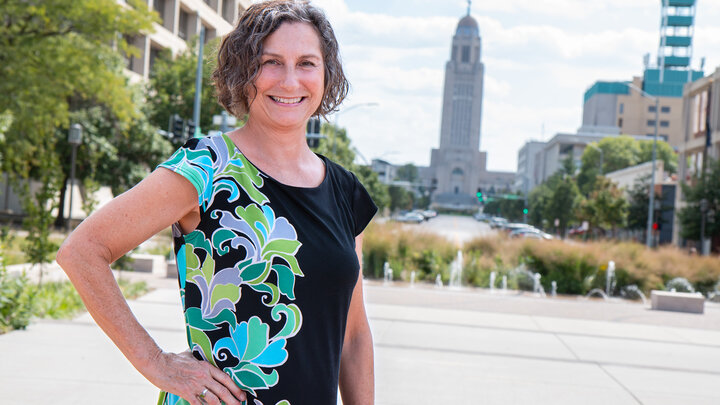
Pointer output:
x,y
532,233
497,222
430,214
410,217
516,226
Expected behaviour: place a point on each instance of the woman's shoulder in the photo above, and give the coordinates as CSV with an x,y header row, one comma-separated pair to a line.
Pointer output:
x,y
337,171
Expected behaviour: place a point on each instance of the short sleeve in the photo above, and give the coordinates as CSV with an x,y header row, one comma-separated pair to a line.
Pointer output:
x,y
194,162
364,207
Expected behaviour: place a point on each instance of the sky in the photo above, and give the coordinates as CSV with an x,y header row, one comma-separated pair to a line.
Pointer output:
x,y
540,56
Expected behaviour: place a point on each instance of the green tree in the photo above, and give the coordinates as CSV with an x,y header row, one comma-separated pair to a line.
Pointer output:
x,y
664,152
377,190
400,199
53,56
407,172
702,188
171,89
606,207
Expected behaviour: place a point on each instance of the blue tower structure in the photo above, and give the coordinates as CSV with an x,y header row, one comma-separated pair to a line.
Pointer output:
x,y
673,70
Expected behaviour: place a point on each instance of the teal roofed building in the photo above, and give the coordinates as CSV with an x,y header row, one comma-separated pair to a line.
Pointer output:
x,y
613,107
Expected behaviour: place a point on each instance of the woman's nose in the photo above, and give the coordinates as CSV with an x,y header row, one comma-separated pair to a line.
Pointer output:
x,y
290,78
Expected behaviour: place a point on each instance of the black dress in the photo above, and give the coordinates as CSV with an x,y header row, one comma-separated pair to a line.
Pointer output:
x,y
267,276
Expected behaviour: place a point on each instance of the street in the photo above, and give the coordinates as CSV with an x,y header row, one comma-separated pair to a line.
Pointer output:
x,y
456,228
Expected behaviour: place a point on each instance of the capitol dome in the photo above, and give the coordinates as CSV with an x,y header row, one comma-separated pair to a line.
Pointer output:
x,y
467,26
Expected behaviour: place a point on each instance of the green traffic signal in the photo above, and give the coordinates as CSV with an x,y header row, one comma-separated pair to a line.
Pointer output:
x,y
525,211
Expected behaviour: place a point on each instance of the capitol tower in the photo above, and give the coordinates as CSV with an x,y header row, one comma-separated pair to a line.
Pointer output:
x,y
457,166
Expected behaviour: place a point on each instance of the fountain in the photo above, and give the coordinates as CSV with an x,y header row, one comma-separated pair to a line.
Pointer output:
x,y
456,271
412,278
609,274
553,292
597,291
438,281
632,292
492,281
537,287
504,284
387,273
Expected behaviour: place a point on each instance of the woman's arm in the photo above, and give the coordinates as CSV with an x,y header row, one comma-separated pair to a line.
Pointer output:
x,y
160,200
357,370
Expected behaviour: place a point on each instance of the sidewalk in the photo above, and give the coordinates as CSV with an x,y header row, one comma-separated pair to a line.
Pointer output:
x,y
431,346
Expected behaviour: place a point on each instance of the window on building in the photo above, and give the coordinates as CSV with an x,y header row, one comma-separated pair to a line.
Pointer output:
x,y
159,7
665,109
664,137
621,109
183,28
664,124
651,123
454,53
154,53
651,108
620,122
465,56
228,11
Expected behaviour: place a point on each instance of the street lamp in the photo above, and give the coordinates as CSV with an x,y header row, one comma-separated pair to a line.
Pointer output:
x,y
336,130
651,203
75,139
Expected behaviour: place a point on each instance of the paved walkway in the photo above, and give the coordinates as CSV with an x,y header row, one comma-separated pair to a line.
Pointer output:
x,y
431,346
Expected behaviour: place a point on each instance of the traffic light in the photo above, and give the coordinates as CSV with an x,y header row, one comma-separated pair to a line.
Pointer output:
x,y
313,132
190,129
177,126
525,211
480,195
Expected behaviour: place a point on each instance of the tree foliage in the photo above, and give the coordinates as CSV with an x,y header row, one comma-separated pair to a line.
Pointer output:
x,y
606,206
701,188
55,58
407,172
619,153
171,89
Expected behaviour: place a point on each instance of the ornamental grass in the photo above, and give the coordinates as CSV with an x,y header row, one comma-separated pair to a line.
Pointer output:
x,y
576,267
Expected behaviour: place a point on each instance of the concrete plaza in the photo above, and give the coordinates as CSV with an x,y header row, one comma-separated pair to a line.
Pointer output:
x,y
431,346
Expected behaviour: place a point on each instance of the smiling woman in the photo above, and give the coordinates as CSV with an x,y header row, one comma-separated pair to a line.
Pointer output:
x,y
267,235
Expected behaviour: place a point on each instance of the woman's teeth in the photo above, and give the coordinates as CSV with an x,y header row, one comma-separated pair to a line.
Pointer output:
x,y
286,100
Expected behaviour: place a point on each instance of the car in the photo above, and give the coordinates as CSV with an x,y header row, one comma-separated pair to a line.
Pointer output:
x,y
410,217
497,222
532,233
430,214
482,217
516,226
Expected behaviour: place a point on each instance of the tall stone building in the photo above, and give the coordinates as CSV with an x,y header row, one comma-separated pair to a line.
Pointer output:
x,y
458,161
458,167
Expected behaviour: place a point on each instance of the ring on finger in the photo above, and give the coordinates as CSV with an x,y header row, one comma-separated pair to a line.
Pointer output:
x,y
203,393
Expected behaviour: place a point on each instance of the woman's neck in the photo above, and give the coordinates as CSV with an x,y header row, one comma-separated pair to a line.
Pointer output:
x,y
284,155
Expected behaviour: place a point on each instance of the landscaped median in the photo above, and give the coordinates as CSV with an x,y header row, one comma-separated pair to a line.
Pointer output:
x,y
576,267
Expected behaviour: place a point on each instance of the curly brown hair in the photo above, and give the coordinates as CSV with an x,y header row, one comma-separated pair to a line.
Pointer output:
x,y
239,55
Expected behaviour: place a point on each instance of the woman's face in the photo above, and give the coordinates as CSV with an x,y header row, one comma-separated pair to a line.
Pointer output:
x,y
291,81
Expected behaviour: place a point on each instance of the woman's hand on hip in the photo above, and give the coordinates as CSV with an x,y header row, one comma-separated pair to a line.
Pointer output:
x,y
198,382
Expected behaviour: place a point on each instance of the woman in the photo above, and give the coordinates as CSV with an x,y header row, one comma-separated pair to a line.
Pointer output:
x,y
267,235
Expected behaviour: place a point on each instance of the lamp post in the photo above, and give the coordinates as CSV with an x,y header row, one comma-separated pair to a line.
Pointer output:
x,y
335,124
75,139
651,203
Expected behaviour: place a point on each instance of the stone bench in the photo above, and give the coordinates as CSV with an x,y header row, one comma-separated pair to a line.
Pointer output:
x,y
155,264
677,301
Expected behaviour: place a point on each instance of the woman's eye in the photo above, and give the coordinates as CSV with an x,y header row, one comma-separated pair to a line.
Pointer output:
x,y
271,62
307,63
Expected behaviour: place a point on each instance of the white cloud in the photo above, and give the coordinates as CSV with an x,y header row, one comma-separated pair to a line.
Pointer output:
x,y
540,56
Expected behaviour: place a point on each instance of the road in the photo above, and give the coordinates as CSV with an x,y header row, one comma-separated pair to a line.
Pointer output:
x,y
458,229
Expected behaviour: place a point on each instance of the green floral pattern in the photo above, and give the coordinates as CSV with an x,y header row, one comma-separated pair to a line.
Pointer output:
x,y
261,248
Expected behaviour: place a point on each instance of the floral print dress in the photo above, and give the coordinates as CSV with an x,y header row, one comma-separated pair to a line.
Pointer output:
x,y
267,276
